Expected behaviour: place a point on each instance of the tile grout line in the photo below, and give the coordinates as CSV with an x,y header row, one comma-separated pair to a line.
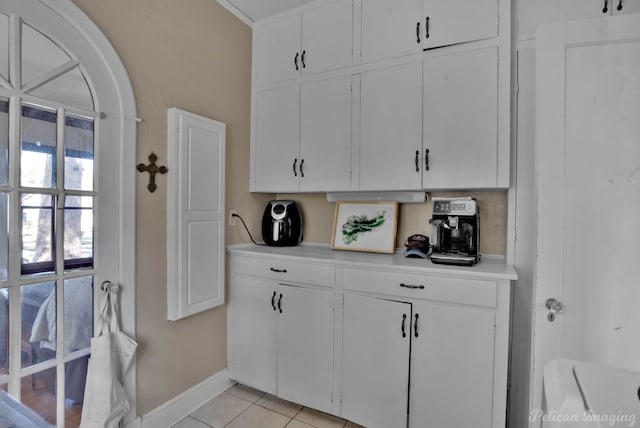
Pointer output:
x,y
235,417
238,415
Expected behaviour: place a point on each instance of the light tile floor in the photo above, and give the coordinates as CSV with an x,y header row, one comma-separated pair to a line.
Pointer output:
x,y
244,407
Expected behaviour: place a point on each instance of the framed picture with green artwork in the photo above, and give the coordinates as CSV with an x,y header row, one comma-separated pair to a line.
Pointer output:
x,y
365,226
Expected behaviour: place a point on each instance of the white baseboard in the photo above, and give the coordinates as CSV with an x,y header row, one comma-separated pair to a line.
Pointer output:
x,y
185,403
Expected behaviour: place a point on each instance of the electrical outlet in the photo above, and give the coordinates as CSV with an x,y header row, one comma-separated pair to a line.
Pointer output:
x,y
232,219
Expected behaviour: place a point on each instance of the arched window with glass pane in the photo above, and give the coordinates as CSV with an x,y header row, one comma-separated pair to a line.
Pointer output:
x,y
48,197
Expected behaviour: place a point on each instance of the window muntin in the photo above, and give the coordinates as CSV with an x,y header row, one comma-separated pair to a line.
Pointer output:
x,y
4,46
38,147
39,54
4,141
4,237
78,153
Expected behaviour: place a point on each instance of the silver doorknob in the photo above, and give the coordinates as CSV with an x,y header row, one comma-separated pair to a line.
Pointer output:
x,y
555,306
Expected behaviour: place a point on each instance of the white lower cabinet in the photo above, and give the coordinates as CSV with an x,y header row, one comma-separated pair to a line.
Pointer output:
x,y
436,357
253,329
451,382
281,336
375,339
305,346
375,361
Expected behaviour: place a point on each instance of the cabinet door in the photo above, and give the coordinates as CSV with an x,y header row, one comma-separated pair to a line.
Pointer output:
x,y
327,37
325,135
461,120
305,346
277,123
390,29
625,7
278,54
391,133
457,21
533,13
452,364
375,361
252,332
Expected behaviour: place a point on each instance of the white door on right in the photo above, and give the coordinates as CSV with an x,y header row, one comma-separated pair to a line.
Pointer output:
x,y
588,191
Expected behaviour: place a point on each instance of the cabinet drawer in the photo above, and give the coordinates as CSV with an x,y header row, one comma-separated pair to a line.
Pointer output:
x,y
453,290
284,270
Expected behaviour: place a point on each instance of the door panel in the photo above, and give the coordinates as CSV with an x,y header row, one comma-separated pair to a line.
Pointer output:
x,y
391,131
278,50
252,332
457,21
389,29
327,33
373,343
277,140
534,13
588,155
325,135
461,119
451,367
305,346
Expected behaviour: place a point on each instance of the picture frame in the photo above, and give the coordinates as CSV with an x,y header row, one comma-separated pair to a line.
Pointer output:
x,y
365,226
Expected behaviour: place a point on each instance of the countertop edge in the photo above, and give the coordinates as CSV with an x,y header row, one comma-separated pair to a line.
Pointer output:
x,y
490,266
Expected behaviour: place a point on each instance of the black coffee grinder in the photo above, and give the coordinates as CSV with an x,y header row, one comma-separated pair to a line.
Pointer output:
x,y
455,231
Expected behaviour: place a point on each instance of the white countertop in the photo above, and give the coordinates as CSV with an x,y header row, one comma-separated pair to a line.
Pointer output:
x,y
494,267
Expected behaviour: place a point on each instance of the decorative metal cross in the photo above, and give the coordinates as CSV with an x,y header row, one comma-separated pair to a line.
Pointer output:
x,y
152,169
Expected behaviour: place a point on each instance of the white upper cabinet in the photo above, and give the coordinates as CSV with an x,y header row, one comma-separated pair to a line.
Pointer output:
x,y
432,124
325,135
391,128
533,13
277,54
392,29
302,139
276,142
327,37
350,95
458,21
460,120
313,41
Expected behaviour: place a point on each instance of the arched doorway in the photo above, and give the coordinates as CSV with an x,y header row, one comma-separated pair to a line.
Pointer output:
x,y
67,171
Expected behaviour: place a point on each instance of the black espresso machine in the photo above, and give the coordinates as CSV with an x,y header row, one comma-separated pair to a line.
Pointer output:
x,y
455,231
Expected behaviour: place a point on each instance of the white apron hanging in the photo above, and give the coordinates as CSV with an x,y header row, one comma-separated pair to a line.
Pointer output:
x,y
112,352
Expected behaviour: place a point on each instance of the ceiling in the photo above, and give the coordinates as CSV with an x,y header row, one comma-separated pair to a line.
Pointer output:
x,y
258,9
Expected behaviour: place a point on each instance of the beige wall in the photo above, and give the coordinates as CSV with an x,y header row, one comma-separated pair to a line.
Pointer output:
x,y
412,218
194,55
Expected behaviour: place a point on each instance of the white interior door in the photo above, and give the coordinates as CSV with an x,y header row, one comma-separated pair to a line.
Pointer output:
x,y
588,179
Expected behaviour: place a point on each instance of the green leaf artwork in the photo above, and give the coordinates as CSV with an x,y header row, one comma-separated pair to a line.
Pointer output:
x,y
356,225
